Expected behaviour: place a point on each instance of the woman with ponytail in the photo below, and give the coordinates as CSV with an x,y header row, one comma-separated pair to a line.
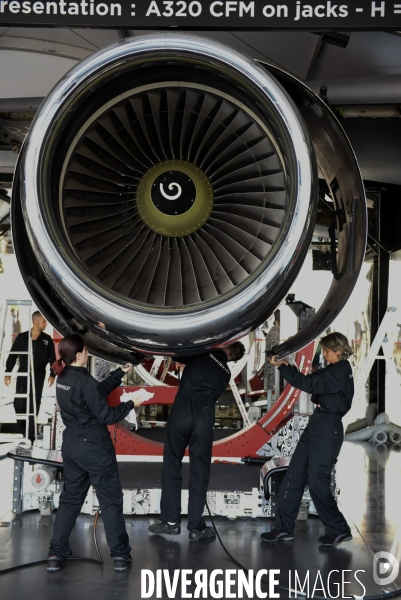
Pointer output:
x,y
88,453
332,390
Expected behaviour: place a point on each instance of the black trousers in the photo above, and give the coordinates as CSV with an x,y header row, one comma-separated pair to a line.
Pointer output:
x,y
312,462
190,423
89,458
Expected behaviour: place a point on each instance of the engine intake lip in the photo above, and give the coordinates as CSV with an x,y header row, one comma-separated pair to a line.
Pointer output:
x,y
213,320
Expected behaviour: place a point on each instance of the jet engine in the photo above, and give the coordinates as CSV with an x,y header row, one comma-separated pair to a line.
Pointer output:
x,y
166,196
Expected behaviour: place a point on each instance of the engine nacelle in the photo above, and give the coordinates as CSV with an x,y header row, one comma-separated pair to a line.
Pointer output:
x,y
166,197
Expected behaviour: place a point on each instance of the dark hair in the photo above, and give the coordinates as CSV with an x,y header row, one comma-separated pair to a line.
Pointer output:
x,y
237,350
36,315
68,349
337,342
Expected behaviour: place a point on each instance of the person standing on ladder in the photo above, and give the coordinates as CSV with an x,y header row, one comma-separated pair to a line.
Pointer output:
x,y
42,354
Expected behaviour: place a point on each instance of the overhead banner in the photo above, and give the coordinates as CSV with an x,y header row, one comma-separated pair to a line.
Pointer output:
x,y
203,14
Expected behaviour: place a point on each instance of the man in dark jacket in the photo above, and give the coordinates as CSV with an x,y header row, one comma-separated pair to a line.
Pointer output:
x,y
332,390
42,354
191,423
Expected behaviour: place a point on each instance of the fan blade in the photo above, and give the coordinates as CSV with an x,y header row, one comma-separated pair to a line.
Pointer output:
x,y
177,279
158,288
206,287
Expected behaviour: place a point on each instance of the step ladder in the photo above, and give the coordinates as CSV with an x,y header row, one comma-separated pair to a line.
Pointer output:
x,y
29,374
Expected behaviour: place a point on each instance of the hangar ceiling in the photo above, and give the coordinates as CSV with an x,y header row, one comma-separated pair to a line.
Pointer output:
x,y
356,67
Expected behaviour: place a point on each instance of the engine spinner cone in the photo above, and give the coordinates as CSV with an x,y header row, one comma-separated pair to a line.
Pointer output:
x,y
174,198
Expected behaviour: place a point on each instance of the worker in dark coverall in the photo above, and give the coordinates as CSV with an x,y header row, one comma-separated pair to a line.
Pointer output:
x,y
42,355
191,423
88,453
332,390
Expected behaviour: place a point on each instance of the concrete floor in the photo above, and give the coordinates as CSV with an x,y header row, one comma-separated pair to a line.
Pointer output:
x,y
369,481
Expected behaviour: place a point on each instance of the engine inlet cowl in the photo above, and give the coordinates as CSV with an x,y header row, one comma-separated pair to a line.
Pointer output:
x,y
169,188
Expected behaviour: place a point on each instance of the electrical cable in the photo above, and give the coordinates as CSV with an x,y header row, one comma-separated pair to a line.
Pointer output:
x,y
43,561
94,536
392,594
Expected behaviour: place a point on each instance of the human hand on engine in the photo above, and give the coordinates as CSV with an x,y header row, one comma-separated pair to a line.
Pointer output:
x,y
277,363
127,368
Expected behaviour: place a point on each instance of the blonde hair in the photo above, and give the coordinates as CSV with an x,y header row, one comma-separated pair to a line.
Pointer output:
x,y
337,341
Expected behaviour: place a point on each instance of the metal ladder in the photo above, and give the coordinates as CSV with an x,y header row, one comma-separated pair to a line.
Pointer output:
x,y
29,374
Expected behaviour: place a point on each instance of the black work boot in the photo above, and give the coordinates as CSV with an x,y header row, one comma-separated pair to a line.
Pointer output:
x,y
121,564
165,528
276,536
333,539
195,535
54,563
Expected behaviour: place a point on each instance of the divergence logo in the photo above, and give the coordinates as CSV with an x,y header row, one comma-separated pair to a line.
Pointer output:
x,y
385,568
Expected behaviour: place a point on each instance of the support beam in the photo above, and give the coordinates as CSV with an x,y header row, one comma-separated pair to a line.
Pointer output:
x,y
22,44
